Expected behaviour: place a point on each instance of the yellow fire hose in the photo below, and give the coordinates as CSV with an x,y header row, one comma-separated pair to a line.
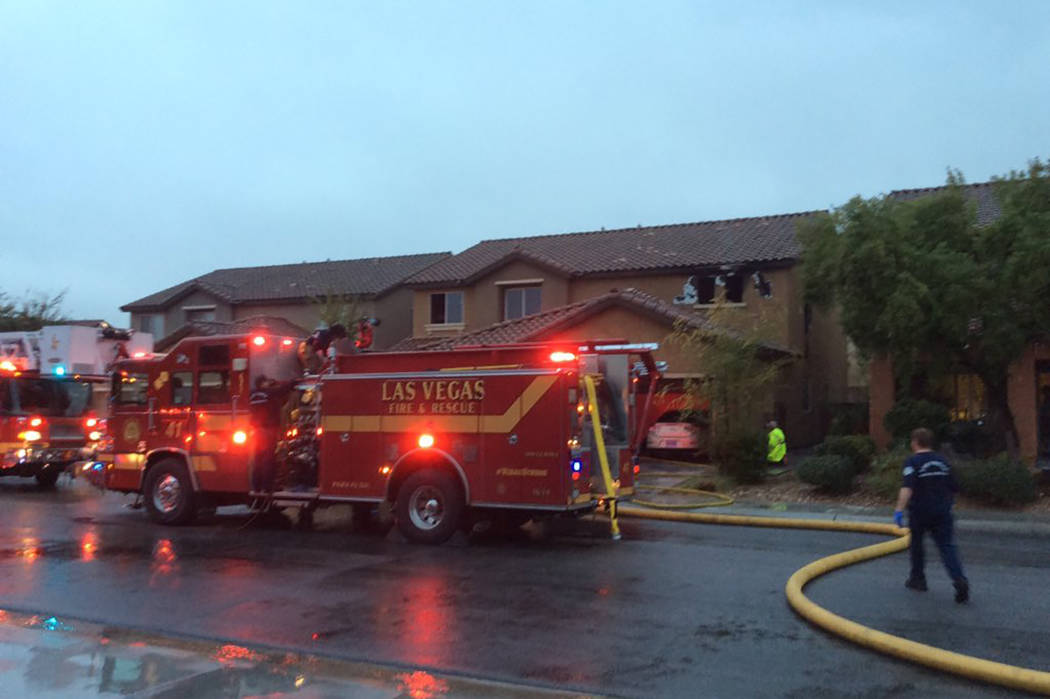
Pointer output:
x,y
947,661
603,458
719,499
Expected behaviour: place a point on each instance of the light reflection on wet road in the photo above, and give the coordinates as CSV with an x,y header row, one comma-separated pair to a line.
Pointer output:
x,y
673,610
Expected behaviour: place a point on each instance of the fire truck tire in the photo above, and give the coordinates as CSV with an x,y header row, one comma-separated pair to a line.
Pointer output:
x,y
46,479
430,505
168,493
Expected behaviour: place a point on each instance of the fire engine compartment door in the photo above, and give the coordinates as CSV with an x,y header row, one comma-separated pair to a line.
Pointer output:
x,y
613,390
221,462
130,421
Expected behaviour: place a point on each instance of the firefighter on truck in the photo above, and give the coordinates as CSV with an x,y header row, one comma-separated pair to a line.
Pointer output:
x,y
440,437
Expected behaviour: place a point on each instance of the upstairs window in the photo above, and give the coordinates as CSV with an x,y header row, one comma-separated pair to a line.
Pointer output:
x,y
521,301
152,323
734,288
446,308
199,313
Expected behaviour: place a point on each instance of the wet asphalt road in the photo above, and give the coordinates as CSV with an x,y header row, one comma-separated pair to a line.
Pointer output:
x,y
672,610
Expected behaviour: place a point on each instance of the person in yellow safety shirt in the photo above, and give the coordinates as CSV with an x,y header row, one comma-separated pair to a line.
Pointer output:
x,y
777,456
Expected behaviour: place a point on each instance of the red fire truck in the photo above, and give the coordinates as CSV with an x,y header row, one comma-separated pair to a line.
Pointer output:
x,y
49,414
436,436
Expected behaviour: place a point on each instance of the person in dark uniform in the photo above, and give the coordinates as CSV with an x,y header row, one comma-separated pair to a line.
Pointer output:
x,y
928,491
265,405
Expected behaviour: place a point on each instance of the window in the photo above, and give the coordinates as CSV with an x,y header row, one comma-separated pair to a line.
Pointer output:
x,y
181,388
213,387
152,323
214,355
199,314
521,301
705,289
734,288
130,389
446,308
968,397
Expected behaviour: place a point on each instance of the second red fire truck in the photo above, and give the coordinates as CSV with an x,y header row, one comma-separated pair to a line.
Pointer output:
x,y
435,435
50,406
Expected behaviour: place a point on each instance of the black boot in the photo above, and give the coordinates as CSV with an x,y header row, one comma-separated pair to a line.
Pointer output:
x,y
917,584
962,591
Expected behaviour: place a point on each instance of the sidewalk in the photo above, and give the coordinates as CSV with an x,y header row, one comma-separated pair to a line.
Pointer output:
x,y
60,658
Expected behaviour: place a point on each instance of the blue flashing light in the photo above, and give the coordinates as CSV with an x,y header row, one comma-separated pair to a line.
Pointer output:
x,y
59,370
577,465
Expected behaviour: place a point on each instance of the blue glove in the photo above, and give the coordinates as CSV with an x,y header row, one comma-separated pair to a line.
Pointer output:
x,y
898,518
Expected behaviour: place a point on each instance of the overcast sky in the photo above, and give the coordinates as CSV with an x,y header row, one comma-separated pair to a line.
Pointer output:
x,y
144,143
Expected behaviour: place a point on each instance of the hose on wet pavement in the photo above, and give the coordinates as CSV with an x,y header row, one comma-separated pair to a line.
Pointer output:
x,y
712,499
968,666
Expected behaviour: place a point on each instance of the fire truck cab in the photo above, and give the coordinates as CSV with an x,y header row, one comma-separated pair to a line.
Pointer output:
x,y
50,405
438,436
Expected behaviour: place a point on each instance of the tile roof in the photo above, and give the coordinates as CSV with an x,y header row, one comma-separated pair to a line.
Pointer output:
x,y
650,248
274,325
541,325
981,193
372,276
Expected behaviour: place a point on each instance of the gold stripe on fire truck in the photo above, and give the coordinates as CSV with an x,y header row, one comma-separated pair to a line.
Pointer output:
x,y
128,462
484,424
204,463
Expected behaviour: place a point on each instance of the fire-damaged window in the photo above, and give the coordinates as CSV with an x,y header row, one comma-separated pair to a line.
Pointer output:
x,y
520,301
705,289
734,284
446,307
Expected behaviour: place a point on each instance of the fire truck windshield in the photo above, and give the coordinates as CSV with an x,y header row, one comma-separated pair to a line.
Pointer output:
x,y
48,397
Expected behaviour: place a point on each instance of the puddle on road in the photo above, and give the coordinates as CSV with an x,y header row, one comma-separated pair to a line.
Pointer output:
x,y
61,658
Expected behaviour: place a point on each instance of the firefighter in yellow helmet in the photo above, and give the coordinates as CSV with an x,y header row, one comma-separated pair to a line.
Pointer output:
x,y
777,456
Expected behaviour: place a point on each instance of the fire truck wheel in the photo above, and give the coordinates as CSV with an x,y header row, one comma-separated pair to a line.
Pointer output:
x,y
46,479
429,507
168,493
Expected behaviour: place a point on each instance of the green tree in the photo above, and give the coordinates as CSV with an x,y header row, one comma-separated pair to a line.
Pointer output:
x,y
925,284
736,366
333,307
31,312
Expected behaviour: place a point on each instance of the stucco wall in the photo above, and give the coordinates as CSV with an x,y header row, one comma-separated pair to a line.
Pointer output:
x,y
305,315
483,300
394,312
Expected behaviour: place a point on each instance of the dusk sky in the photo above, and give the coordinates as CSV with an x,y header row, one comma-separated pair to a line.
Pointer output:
x,y
145,143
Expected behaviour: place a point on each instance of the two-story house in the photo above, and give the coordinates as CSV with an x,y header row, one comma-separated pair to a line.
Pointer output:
x,y
293,293
641,281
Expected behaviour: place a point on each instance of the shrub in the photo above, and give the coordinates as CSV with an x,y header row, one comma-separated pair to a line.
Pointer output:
x,y
973,437
907,415
741,455
849,418
886,472
832,473
858,449
998,481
